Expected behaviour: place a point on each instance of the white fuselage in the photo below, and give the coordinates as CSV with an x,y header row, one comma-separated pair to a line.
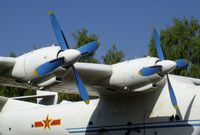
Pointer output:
x,y
147,113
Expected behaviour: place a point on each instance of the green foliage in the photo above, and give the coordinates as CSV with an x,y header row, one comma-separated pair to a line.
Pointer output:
x,y
194,71
181,40
113,56
82,37
13,92
69,97
35,47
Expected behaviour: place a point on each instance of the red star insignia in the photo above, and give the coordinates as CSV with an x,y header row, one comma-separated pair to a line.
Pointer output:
x,y
47,122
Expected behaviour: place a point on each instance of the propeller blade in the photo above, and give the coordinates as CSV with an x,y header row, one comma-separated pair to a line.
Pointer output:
x,y
172,94
158,45
88,48
81,87
58,32
181,63
48,67
147,71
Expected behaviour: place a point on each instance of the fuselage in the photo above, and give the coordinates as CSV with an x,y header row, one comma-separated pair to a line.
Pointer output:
x,y
148,113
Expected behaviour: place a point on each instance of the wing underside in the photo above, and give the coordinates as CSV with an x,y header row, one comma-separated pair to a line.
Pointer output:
x,y
91,74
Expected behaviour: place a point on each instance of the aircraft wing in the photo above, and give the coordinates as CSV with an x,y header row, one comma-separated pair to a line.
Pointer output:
x,y
92,75
6,63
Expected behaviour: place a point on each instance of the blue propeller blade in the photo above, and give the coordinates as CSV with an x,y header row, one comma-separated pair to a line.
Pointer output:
x,y
158,46
146,71
81,87
172,94
58,32
88,48
48,67
181,63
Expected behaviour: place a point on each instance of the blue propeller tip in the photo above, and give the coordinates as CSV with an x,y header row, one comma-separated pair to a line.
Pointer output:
x,y
181,63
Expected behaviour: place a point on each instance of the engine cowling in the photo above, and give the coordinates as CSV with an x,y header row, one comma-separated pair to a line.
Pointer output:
x,y
26,64
126,75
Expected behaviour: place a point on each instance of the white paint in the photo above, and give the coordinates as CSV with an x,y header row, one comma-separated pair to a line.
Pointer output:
x,y
129,101
70,56
167,66
111,114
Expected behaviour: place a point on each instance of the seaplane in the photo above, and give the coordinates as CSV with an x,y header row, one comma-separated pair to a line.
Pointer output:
x,y
137,96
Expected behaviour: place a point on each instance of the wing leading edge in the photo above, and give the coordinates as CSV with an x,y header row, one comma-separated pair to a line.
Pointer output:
x,y
91,74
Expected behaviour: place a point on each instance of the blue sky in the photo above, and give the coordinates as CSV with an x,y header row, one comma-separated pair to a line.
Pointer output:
x,y
126,23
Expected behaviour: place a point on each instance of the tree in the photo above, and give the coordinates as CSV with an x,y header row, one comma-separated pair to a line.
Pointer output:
x,y
35,47
69,97
12,54
113,56
83,37
181,40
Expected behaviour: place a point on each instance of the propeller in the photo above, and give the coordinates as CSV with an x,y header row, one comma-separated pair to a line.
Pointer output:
x,y
146,71
164,67
66,57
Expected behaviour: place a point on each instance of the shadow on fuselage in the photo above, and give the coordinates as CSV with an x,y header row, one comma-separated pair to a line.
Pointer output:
x,y
131,114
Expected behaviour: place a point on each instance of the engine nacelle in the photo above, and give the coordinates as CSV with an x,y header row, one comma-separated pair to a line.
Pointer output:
x,y
27,63
126,75
18,70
